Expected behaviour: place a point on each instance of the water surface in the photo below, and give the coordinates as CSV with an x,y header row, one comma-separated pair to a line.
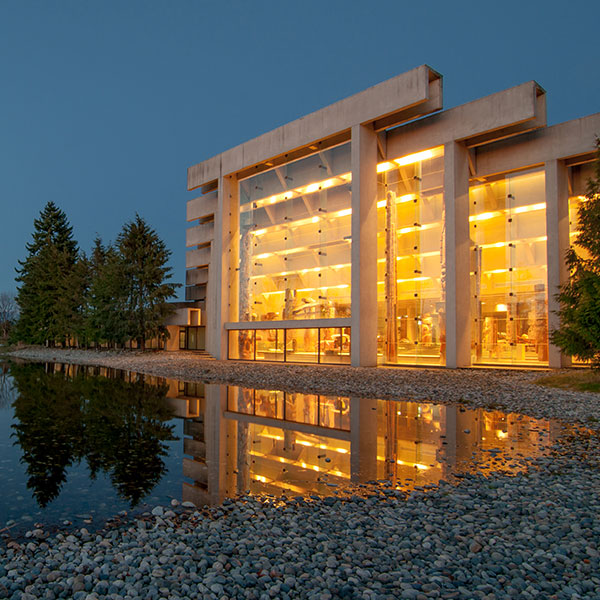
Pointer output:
x,y
80,444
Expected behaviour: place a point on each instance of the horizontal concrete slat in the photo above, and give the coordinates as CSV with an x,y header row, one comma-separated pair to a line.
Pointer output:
x,y
197,258
198,471
196,292
196,276
202,207
200,234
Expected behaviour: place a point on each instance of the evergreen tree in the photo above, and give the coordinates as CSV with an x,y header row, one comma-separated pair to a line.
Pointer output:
x,y
579,332
107,297
144,262
46,296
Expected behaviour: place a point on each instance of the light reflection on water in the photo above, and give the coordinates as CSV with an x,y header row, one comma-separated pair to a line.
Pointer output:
x,y
82,443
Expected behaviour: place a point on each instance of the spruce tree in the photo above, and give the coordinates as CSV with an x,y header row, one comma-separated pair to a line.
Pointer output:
x,y
107,316
46,297
144,261
579,332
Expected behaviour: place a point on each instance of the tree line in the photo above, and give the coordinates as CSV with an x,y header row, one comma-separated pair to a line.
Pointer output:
x,y
117,293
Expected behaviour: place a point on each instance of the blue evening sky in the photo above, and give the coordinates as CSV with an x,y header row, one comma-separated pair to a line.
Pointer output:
x,y
104,104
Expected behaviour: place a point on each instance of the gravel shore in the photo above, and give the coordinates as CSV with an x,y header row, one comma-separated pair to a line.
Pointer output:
x,y
531,535
500,389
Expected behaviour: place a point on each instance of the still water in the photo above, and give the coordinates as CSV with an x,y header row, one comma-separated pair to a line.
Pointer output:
x,y
80,444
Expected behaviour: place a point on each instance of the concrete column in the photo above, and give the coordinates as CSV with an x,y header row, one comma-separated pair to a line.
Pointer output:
x,y
457,246
557,231
222,286
364,247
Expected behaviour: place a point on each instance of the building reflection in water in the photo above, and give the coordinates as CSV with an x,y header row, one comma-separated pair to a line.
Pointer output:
x,y
274,442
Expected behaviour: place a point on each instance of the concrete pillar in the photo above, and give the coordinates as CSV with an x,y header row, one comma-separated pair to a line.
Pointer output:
x,y
222,285
364,247
457,246
557,232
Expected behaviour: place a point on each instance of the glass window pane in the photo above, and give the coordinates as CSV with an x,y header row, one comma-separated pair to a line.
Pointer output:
x,y
294,237
302,345
508,270
269,344
410,255
241,344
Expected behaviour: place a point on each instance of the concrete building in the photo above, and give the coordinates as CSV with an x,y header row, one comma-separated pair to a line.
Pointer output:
x,y
385,230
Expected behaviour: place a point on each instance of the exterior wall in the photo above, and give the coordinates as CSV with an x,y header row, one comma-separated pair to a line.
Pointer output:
x,y
484,141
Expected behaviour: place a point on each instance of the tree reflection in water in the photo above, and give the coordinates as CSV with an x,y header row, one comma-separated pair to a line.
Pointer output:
x,y
118,427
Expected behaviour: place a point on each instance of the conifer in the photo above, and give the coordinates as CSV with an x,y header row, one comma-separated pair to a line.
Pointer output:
x,y
579,331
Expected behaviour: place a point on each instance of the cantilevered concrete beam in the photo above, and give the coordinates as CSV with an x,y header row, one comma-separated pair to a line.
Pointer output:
x,y
482,121
406,96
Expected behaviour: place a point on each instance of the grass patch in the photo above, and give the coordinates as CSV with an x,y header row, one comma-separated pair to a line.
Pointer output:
x,y
577,381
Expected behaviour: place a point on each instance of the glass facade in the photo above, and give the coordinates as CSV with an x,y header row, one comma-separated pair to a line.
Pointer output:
x,y
294,243
507,224
329,345
410,257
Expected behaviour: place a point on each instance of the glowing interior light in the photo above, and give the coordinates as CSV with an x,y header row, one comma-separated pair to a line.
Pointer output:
x,y
260,232
501,434
524,209
501,308
313,187
304,443
485,216
265,255
341,450
383,167
344,213
413,158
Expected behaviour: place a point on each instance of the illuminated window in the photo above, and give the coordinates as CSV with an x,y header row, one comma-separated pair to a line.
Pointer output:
x,y
294,248
508,270
410,255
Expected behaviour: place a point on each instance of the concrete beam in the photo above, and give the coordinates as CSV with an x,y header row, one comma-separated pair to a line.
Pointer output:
x,y
386,100
505,113
563,141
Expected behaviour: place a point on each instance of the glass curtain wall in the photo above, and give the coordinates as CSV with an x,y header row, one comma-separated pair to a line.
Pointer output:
x,y
508,270
295,226
410,259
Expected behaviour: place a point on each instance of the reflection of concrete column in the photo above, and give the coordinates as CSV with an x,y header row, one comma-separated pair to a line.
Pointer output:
x,y
216,441
364,247
363,439
221,297
448,450
391,297
456,201
557,231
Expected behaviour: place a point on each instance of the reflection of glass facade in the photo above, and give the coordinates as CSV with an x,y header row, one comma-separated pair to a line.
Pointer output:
x,y
508,270
410,254
574,204
295,239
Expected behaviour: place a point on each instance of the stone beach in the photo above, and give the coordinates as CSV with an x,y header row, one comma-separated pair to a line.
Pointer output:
x,y
535,534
